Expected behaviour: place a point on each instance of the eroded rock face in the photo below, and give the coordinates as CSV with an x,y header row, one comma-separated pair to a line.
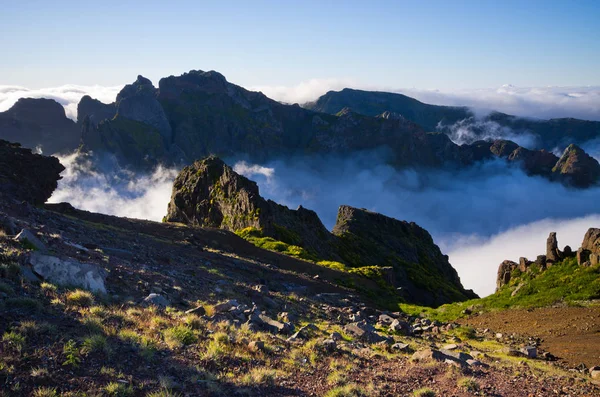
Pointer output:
x,y
210,194
25,176
577,168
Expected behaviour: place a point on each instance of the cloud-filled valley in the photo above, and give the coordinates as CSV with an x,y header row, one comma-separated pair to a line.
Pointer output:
x,y
479,216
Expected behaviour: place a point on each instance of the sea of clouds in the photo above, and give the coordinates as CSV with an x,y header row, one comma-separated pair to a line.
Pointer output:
x,y
479,216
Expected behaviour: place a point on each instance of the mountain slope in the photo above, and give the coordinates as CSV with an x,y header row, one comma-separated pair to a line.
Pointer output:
x,y
549,133
401,256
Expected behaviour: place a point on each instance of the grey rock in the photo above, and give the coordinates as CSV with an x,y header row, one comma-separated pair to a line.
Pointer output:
x,y
385,319
336,336
460,356
27,236
69,272
529,351
306,332
364,332
428,354
401,347
199,310
226,306
274,325
451,346
156,300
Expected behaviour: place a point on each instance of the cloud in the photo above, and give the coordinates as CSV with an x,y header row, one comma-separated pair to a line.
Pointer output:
x,y
538,102
250,170
470,130
67,95
303,92
491,206
102,186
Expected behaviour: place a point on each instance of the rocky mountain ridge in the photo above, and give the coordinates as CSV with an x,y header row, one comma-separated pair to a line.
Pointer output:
x,y
549,133
201,113
210,194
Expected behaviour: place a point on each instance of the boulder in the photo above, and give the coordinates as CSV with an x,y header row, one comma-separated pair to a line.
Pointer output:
x,y
226,306
156,300
429,354
504,273
364,332
273,325
69,271
529,351
27,237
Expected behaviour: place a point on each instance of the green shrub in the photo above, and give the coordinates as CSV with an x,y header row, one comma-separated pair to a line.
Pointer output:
x,y
80,298
118,389
95,344
424,392
14,339
178,336
45,392
72,354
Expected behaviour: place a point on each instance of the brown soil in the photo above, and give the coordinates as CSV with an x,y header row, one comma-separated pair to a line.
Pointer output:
x,y
570,333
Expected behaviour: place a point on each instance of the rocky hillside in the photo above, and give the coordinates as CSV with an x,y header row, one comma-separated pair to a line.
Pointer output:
x,y
99,305
400,255
550,133
200,113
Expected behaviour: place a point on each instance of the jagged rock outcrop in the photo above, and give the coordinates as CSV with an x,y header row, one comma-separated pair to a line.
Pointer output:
x,y
39,124
210,194
577,168
25,176
94,110
589,253
553,254
504,273
401,254
369,238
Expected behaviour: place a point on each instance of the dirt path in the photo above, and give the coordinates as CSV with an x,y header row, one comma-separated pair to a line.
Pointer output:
x,y
570,333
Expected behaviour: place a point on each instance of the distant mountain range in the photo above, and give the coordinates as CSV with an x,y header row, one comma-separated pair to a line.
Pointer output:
x,y
200,113
550,134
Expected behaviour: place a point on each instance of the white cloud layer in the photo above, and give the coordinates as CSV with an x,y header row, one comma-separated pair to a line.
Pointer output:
x,y
539,102
114,191
67,95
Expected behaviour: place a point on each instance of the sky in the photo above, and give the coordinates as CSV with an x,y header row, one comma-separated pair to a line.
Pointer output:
x,y
430,45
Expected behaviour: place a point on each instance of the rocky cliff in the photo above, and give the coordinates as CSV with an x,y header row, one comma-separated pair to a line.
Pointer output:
x,y
210,194
25,176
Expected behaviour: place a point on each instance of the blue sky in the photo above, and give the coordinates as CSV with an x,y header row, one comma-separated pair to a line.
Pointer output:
x,y
433,44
